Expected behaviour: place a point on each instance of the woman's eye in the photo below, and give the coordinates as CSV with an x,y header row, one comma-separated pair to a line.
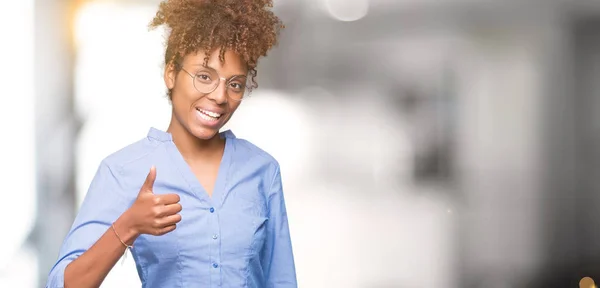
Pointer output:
x,y
203,77
236,87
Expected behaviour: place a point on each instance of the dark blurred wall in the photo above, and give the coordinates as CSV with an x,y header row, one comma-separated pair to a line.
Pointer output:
x,y
572,241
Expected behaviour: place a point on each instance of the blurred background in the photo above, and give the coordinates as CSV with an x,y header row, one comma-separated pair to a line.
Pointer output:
x,y
423,143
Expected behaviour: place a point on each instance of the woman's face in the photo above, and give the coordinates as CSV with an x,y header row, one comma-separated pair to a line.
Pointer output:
x,y
203,114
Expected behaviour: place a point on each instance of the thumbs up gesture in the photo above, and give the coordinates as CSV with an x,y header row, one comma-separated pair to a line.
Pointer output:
x,y
154,214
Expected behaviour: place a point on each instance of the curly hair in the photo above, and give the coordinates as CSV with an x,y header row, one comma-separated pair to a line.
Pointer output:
x,y
247,27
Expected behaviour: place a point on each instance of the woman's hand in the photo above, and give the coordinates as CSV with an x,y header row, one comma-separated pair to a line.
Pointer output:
x,y
152,214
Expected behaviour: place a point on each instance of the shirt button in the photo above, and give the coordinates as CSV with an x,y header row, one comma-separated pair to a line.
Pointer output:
x,y
215,265
215,236
212,210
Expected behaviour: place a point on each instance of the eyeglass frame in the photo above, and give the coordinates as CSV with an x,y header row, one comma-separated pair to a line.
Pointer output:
x,y
180,66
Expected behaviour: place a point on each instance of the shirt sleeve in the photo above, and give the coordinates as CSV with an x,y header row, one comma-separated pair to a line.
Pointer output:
x,y
277,258
102,205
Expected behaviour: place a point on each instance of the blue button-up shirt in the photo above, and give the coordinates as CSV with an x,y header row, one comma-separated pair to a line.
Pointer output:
x,y
239,237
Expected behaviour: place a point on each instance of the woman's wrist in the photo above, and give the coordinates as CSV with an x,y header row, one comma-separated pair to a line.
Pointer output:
x,y
125,229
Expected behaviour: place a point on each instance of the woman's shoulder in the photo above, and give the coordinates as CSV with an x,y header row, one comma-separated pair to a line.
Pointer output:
x,y
132,153
248,151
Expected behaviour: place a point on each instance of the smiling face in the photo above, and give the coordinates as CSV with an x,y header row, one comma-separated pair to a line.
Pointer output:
x,y
203,114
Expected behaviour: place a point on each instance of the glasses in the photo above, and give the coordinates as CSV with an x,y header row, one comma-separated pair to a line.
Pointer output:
x,y
206,80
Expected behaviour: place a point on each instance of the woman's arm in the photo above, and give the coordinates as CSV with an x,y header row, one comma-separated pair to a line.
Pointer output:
x,y
92,247
277,257
90,269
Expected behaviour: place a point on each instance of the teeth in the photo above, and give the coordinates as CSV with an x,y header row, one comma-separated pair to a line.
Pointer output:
x,y
206,117
210,113
203,115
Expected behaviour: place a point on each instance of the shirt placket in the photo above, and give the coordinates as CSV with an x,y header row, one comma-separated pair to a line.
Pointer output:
x,y
215,248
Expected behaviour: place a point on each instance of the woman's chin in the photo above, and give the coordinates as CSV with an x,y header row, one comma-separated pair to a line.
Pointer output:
x,y
204,133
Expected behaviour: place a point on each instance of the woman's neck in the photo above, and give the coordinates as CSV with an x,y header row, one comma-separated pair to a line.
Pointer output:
x,y
191,147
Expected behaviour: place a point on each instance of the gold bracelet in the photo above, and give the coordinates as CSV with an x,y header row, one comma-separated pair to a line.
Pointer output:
x,y
119,237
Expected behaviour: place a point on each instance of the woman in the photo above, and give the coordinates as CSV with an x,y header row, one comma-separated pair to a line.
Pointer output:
x,y
196,207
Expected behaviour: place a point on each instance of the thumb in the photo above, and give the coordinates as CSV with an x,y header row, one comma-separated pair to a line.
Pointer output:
x,y
149,183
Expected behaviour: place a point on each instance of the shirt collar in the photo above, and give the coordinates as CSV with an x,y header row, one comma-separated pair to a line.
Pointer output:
x,y
163,136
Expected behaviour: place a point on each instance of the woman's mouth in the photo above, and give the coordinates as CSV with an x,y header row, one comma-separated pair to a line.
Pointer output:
x,y
208,115
209,119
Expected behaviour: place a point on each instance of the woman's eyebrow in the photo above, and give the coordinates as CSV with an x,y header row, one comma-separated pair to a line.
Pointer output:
x,y
207,66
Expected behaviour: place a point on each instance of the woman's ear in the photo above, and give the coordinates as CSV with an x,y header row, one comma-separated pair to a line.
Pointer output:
x,y
170,74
